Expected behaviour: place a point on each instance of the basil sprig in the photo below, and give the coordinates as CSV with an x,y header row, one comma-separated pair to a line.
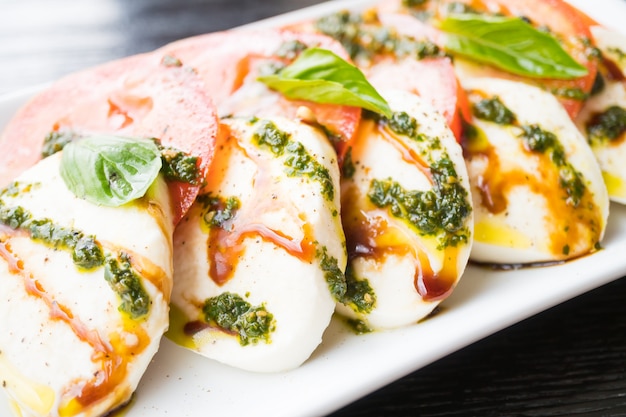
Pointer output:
x,y
510,44
110,170
321,76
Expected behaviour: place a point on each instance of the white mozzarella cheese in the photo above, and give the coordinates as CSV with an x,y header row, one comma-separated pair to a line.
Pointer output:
x,y
398,270
278,254
524,210
609,148
68,346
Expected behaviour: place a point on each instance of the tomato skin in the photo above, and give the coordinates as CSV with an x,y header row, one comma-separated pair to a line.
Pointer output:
x,y
135,96
229,63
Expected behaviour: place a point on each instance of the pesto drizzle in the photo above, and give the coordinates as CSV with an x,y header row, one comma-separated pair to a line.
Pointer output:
x,y
570,93
179,166
122,279
297,161
55,141
333,275
608,125
441,211
232,313
539,140
86,251
363,39
218,210
360,296
493,110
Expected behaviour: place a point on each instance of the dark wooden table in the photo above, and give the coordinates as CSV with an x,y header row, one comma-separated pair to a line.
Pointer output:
x,y
567,361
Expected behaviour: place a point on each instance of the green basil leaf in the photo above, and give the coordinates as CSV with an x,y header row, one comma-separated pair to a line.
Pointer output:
x,y
320,76
110,170
510,44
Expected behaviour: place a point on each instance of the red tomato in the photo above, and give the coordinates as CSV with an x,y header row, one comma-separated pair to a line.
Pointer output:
x,y
433,79
135,96
229,63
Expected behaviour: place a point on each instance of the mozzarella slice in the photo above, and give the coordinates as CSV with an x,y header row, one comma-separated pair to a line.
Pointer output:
x,y
541,205
407,215
259,259
603,117
75,340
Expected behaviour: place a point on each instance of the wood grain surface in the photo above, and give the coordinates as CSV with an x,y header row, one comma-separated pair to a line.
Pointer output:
x,y
567,361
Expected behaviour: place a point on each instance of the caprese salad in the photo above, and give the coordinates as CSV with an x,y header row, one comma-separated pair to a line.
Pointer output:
x,y
235,190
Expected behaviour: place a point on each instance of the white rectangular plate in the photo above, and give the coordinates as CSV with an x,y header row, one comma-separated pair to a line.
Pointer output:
x,y
346,367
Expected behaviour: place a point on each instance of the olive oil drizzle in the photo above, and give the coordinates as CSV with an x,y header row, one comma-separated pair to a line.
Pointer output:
x,y
112,353
112,357
577,219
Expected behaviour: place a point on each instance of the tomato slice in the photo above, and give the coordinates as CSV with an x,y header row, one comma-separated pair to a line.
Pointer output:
x,y
229,63
135,96
569,25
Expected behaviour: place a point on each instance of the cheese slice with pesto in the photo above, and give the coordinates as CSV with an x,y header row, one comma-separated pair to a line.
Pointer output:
x,y
602,119
538,192
407,215
85,292
259,259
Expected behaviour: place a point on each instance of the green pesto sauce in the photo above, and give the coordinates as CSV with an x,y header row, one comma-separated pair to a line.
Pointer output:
x,y
55,142
232,313
86,252
298,162
359,327
347,168
571,93
493,110
333,275
218,210
620,54
363,40
179,166
359,296
122,279
607,125
591,50
413,3
403,124
441,211
290,49
541,141
458,7
566,250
